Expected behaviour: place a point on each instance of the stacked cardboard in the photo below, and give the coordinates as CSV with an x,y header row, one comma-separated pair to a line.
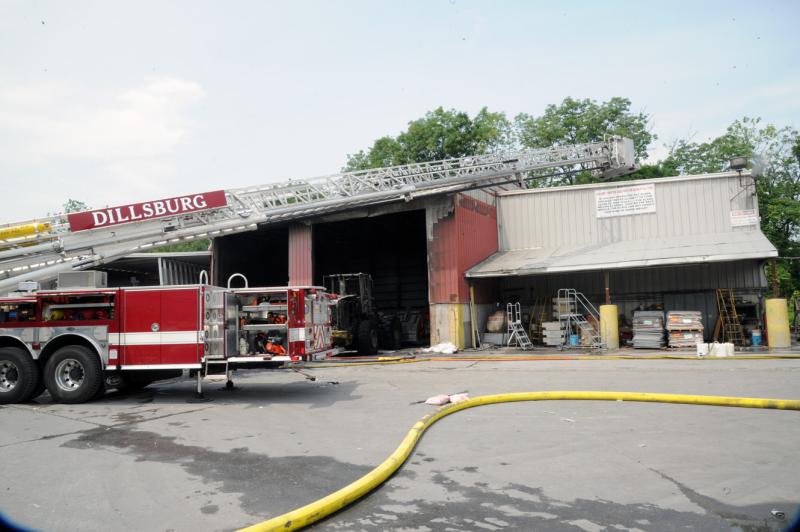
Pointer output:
x,y
685,328
648,329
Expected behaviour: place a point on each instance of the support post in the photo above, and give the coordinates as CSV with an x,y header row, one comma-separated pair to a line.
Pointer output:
x,y
607,285
773,262
198,394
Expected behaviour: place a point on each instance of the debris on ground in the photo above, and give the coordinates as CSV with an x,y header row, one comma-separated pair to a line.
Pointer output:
x,y
446,348
443,399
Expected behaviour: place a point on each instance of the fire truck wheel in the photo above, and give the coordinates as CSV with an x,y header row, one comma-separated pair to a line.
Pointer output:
x,y
39,390
367,341
73,374
19,375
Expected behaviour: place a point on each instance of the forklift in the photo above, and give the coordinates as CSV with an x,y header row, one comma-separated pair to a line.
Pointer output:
x,y
356,324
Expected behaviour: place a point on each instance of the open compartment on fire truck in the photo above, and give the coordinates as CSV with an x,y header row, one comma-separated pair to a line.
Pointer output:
x,y
281,324
79,306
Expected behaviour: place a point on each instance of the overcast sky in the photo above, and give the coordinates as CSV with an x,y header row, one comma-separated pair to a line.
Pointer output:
x,y
112,103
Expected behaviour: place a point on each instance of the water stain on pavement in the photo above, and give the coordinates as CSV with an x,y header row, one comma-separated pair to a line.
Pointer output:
x,y
518,507
266,485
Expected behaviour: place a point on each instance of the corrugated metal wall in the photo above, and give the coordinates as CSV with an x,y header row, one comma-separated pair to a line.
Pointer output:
x,y
300,255
461,235
566,216
739,275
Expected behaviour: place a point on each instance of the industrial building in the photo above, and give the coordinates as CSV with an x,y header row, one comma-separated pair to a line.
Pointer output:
x,y
666,243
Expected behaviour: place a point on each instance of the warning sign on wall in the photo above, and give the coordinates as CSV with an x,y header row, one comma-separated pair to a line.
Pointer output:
x,y
624,201
743,218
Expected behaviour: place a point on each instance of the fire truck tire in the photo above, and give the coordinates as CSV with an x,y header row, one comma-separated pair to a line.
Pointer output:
x,y
39,390
73,375
19,375
367,338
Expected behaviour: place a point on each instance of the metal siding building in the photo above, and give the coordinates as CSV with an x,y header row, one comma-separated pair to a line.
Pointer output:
x,y
700,233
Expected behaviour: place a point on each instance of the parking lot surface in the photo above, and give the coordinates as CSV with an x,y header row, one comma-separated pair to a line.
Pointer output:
x,y
150,460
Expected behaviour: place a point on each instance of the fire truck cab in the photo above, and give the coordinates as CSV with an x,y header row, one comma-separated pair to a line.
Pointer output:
x,y
76,342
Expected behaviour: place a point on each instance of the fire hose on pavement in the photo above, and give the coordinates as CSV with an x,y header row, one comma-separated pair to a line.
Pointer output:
x,y
319,509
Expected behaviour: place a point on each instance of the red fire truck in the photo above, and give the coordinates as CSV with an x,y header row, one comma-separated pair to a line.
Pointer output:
x,y
76,342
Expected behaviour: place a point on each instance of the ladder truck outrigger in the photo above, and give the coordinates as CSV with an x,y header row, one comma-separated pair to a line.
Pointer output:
x,y
75,341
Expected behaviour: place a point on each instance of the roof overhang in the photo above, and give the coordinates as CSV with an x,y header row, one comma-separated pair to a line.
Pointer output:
x,y
688,249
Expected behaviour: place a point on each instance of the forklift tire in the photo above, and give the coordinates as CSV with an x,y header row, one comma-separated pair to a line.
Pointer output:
x,y
367,338
396,332
73,375
19,375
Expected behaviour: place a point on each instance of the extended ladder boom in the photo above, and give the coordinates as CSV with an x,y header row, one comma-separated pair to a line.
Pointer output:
x,y
42,253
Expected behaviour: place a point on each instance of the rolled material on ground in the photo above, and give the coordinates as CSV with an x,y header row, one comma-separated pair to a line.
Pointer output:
x,y
310,513
778,324
609,326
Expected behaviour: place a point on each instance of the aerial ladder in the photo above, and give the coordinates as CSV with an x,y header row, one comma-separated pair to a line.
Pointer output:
x,y
38,250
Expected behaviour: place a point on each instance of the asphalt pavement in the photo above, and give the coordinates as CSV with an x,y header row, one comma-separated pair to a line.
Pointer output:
x,y
151,460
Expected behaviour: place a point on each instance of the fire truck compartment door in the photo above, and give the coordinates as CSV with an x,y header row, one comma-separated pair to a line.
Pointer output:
x,y
141,323
161,327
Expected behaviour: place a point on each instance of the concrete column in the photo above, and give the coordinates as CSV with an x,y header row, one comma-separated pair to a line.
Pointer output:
x,y
609,326
300,255
778,336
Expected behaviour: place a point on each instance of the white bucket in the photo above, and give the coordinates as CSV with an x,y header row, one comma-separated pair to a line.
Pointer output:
x,y
728,349
702,349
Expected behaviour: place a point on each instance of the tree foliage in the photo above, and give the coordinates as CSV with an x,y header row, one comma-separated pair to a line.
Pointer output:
x,y
579,121
192,245
73,205
776,150
440,134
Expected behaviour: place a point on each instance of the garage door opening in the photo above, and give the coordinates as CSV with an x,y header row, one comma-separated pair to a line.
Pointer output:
x,y
258,255
392,248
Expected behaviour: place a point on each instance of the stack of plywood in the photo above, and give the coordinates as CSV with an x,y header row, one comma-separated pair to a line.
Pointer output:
x,y
552,333
685,328
648,329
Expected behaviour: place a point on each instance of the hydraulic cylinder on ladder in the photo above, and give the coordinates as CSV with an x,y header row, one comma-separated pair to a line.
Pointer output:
x,y
39,249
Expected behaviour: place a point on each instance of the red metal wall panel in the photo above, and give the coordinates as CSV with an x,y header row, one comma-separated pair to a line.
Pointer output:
x,y
460,240
300,258
477,231
442,252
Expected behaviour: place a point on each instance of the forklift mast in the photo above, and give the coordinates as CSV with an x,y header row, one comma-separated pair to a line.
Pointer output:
x,y
358,285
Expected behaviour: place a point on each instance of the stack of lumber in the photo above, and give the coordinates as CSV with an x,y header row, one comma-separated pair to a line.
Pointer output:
x,y
685,328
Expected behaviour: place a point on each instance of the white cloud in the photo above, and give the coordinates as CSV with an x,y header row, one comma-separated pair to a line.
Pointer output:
x,y
105,148
142,122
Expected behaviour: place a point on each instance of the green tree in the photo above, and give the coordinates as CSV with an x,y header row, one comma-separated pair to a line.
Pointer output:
x,y
191,245
580,121
73,205
440,134
777,151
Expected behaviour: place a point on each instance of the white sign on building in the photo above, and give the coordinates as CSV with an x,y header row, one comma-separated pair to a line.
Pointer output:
x,y
744,218
624,201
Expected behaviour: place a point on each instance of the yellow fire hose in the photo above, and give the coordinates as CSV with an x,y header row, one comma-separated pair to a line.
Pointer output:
x,y
310,513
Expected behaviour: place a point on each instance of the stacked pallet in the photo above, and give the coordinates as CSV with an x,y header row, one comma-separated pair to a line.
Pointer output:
x,y
648,329
552,333
685,328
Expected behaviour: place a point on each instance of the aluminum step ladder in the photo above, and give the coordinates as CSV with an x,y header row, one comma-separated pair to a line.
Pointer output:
x,y
574,307
516,332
